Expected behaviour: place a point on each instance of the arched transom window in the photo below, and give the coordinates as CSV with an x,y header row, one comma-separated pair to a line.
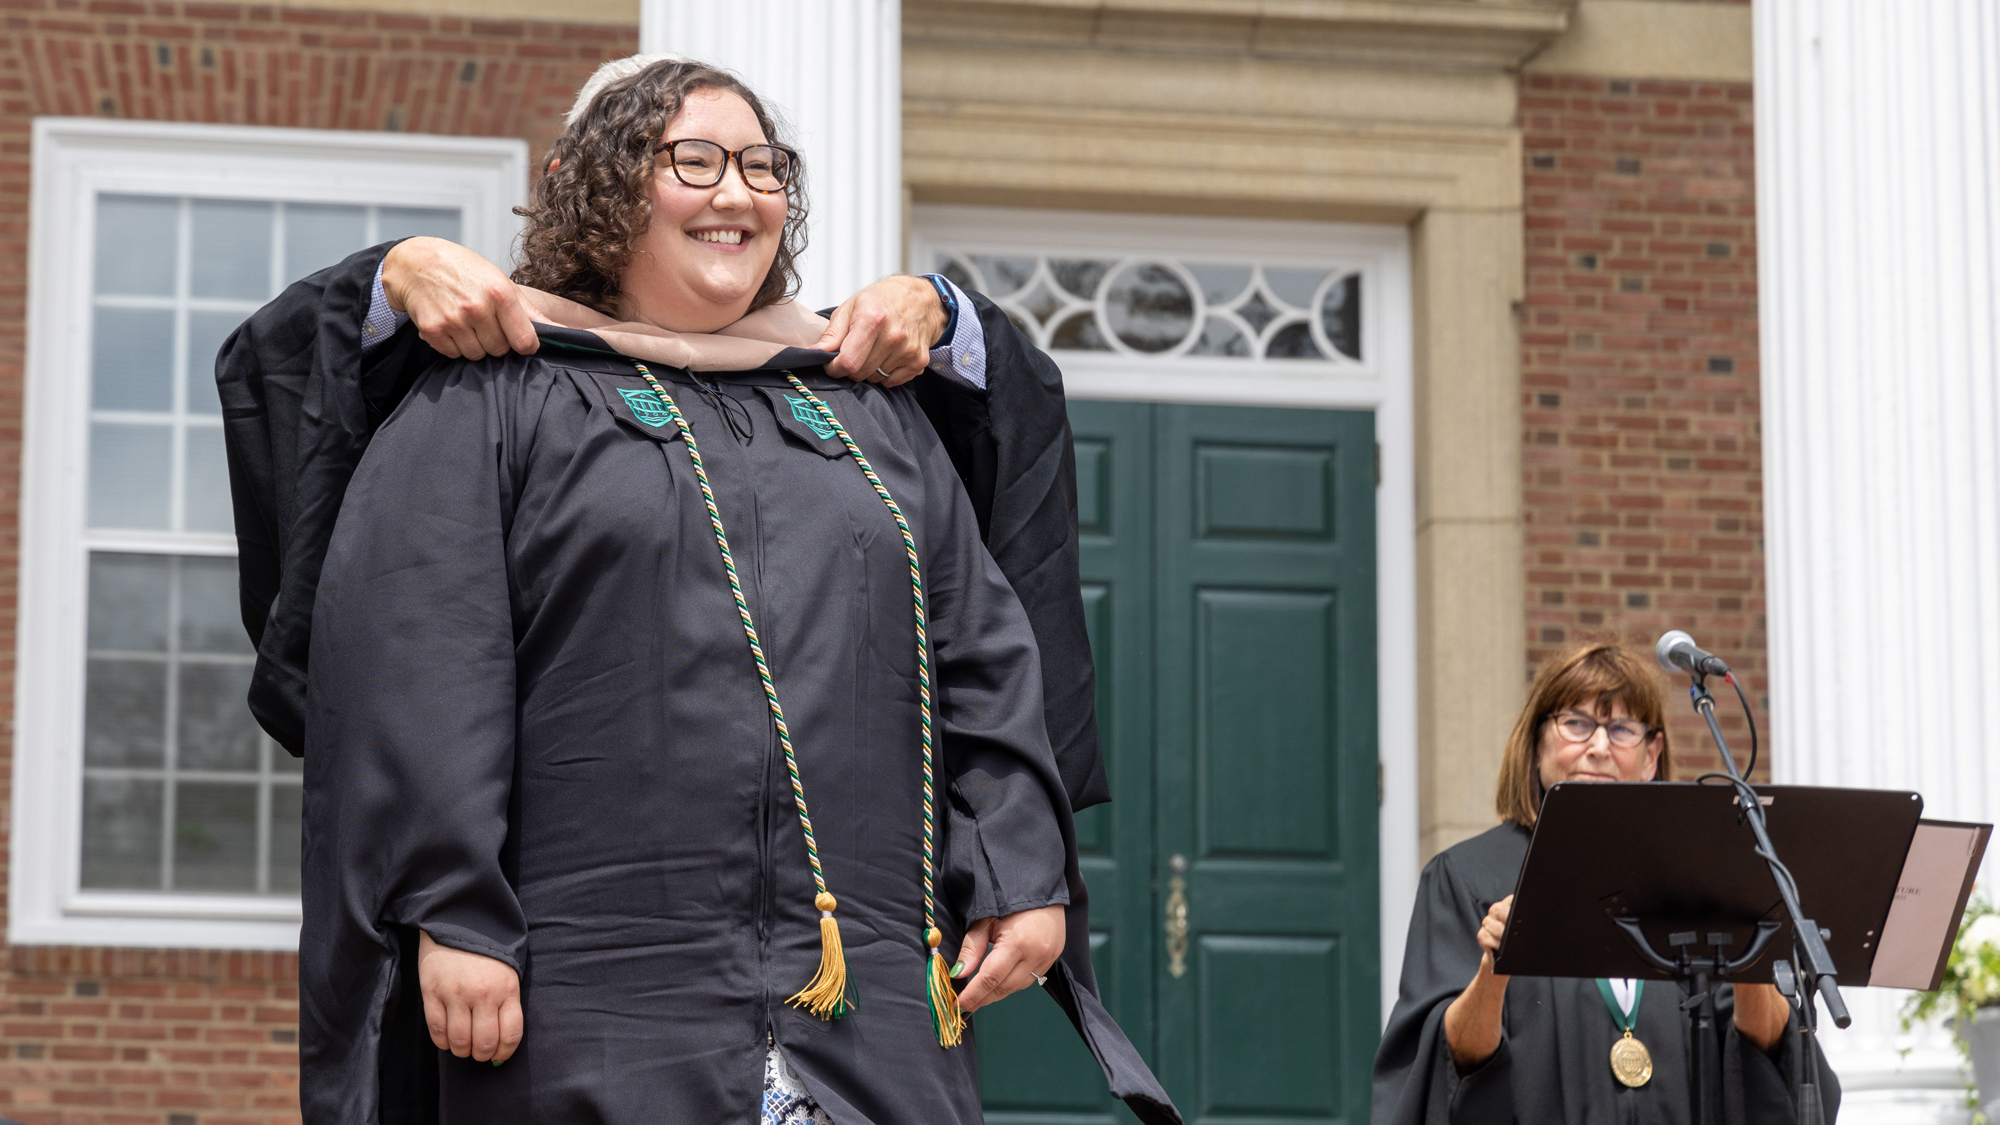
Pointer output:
x,y
1176,308
1222,306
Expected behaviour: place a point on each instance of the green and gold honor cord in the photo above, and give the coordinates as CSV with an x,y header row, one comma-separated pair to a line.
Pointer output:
x,y
830,995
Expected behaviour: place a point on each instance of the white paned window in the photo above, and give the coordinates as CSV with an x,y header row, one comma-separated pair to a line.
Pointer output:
x,y
1175,308
150,809
181,790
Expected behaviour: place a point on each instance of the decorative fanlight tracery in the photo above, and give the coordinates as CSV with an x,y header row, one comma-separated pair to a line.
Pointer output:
x,y
1172,307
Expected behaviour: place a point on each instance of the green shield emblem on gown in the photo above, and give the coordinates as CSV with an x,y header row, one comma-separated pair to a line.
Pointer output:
x,y
809,414
646,407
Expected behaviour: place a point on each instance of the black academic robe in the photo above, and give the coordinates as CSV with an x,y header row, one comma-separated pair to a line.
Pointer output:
x,y
535,731
1553,1063
301,401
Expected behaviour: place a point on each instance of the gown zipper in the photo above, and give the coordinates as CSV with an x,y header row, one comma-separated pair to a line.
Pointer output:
x,y
726,408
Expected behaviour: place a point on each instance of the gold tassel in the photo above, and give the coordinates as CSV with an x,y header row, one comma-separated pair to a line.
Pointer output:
x,y
829,996
947,1019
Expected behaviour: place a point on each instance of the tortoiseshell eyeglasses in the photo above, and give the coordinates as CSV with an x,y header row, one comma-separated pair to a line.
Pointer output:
x,y
699,163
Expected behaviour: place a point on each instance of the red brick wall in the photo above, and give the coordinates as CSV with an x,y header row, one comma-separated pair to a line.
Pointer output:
x,y
145,1037
130,1036
1641,461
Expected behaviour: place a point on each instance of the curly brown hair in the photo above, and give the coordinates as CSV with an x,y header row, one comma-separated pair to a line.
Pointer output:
x,y
584,217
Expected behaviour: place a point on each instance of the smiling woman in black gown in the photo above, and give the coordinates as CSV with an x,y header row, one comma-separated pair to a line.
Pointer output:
x,y
547,771
1466,1046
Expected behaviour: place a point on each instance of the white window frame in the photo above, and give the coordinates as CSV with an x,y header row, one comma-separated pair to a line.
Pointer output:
x,y
75,160
1382,381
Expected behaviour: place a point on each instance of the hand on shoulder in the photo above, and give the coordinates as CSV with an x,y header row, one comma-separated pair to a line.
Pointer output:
x,y
463,306
885,333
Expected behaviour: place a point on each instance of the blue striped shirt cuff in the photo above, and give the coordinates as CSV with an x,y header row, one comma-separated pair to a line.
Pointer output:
x,y
962,359
382,321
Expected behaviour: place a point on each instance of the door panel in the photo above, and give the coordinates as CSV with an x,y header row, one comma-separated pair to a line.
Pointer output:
x,y
1229,583
1259,796
1245,491
1264,583
1278,983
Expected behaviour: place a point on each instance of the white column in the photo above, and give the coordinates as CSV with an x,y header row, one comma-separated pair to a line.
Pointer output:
x,y
1878,176
833,70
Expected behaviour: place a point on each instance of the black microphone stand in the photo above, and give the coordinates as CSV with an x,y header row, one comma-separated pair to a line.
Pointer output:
x,y
1810,973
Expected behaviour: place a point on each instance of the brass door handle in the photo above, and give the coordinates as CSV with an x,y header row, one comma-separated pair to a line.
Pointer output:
x,y
1177,919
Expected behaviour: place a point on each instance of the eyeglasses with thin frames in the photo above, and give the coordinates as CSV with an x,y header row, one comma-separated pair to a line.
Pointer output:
x,y
1575,726
766,169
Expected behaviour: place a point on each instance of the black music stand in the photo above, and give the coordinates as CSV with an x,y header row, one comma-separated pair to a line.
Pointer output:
x,y
1662,881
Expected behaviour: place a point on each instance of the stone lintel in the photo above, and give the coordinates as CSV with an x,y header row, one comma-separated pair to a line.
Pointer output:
x,y
1448,34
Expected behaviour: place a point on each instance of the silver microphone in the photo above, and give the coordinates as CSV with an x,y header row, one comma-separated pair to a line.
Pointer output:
x,y
1677,652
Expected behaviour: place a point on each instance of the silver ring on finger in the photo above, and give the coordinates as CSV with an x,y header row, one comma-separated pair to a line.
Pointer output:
x,y
882,373
1040,979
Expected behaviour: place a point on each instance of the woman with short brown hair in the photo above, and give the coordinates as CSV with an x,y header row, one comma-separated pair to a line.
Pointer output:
x,y
1468,1046
1606,674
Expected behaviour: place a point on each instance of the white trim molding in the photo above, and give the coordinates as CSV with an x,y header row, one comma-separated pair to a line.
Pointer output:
x,y
1380,380
75,160
1878,171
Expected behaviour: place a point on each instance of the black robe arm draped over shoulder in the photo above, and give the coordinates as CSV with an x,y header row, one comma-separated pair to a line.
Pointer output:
x,y
1553,1066
302,403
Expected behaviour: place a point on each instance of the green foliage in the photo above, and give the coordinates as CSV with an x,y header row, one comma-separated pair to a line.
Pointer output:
x,y
1971,977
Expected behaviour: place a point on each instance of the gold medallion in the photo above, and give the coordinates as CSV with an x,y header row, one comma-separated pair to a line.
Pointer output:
x,y
1631,1062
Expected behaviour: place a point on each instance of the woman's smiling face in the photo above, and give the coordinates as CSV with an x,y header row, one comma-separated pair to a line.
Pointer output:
x,y
1595,758
707,250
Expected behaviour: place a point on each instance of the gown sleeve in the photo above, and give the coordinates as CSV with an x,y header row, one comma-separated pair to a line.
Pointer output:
x,y
1416,1082
412,708
300,400
1758,1087
1011,841
999,786
1011,446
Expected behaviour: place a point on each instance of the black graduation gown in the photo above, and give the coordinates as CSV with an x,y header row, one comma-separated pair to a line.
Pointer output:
x,y
301,401
1553,1062
535,732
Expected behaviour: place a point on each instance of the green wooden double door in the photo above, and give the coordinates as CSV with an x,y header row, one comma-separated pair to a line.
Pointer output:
x,y
1229,578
